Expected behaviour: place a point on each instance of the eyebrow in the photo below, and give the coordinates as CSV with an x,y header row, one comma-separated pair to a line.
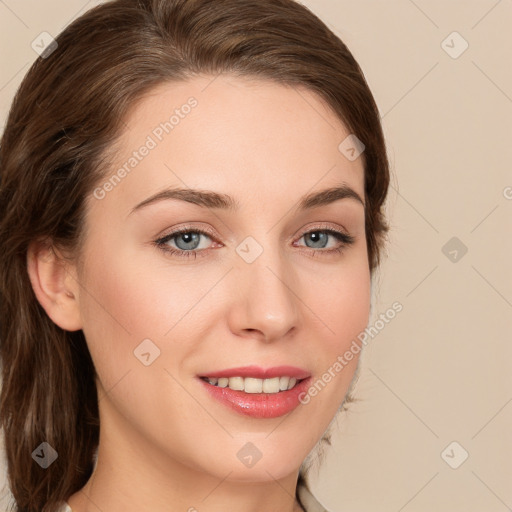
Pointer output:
x,y
215,200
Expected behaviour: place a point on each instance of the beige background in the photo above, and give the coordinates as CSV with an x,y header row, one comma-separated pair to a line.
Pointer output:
x,y
440,371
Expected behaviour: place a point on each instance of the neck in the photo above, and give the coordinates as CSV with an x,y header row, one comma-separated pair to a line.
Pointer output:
x,y
133,475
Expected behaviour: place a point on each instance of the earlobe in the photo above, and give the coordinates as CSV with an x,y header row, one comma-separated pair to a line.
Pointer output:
x,y
54,285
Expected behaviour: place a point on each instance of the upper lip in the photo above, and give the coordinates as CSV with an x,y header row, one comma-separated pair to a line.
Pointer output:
x,y
260,373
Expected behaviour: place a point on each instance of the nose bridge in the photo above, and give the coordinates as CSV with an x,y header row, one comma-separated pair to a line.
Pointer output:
x,y
265,278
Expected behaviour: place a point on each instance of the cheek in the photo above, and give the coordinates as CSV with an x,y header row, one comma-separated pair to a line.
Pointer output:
x,y
118,310
127,300
340,308
134,294
344,312
339,300
350,305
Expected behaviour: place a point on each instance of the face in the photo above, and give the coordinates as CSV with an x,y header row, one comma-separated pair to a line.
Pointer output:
x,y
257,278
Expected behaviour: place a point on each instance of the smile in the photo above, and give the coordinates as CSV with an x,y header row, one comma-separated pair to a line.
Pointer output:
x,y
254,385
256,392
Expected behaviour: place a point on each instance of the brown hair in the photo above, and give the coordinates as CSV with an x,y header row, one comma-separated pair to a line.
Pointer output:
x,y
65,117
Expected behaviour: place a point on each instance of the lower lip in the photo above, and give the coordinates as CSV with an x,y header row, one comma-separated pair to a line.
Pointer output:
x,y
259,405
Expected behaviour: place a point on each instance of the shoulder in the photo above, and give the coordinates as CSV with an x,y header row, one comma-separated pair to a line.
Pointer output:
x,y
308,501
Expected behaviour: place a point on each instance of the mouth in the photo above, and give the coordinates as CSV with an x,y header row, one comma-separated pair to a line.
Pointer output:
x,y
253,384
256,392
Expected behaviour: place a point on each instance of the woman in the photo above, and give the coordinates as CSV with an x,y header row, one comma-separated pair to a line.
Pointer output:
x,y
191,214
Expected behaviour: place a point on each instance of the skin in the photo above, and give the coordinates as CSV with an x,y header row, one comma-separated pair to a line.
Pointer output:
x,y
163,440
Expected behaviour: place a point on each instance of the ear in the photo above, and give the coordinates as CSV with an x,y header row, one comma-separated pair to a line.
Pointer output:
x,y
55,285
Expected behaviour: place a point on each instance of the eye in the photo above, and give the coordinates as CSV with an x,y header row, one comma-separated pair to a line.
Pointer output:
x,y
319,239
187,241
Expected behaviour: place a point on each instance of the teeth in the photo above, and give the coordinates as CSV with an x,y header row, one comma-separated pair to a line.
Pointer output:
x,y
236,383
252,385
223,382
270,385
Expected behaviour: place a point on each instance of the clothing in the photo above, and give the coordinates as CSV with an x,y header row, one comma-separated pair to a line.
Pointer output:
x,y
309,502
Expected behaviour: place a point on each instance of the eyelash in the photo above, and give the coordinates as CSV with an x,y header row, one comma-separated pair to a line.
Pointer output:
x,y
345,239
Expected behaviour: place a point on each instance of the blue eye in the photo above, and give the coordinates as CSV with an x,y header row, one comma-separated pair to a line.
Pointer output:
x,y
188,238
321,237
187,241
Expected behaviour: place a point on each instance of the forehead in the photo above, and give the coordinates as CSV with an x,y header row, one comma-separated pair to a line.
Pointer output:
x,y
237,135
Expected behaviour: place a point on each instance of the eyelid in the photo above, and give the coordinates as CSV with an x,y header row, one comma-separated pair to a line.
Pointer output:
x,y
345,238
186,228
304,230
320,226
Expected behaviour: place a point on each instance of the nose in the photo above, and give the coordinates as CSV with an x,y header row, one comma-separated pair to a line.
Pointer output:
x,y
266,303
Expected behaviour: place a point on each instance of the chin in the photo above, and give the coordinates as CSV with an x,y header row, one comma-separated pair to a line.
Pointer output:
x,y
264,472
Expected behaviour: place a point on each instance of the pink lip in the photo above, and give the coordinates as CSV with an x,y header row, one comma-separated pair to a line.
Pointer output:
x,y
260,405
260,373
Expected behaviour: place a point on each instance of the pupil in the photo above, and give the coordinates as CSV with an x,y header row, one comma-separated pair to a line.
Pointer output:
x,y
316,237
184,240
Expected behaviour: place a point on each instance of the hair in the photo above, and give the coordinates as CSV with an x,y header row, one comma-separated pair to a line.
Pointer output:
x,y
64,121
